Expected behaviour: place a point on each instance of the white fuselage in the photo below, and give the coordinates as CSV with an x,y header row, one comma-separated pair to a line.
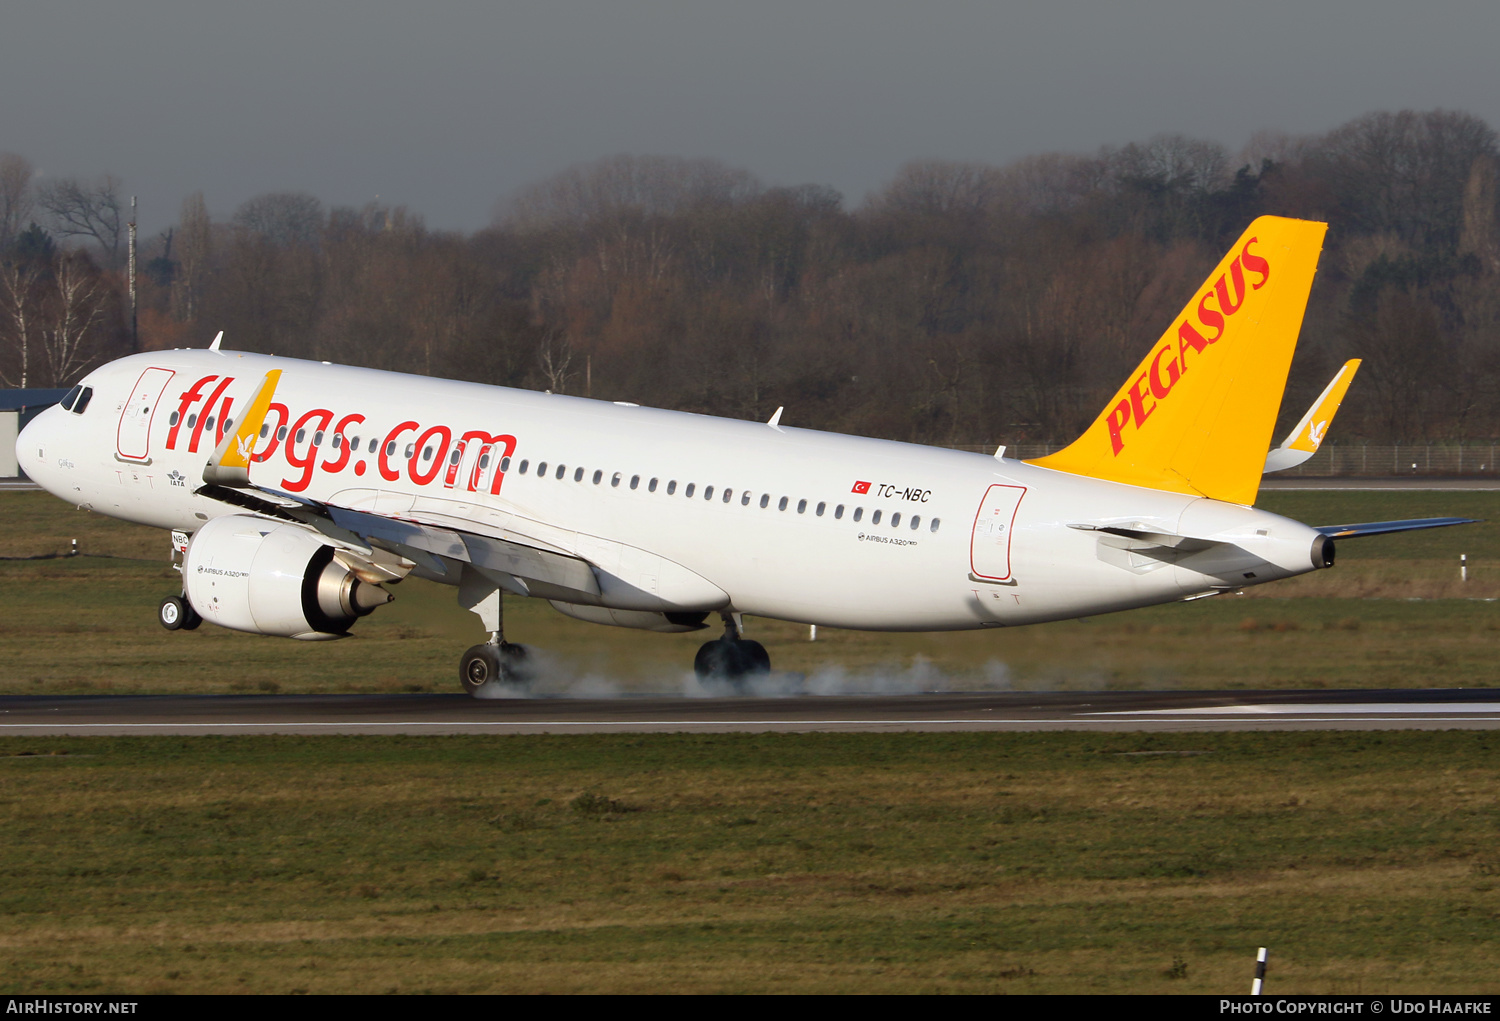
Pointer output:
x,y
837,530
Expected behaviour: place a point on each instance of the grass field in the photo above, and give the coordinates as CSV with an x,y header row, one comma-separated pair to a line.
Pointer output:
x,y
733,863
793,863
1392,613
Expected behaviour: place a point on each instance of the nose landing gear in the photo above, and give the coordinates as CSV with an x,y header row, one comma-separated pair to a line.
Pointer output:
x,y
731,658
175,613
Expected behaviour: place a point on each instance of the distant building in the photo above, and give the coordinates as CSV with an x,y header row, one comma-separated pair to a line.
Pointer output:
x,y
17,407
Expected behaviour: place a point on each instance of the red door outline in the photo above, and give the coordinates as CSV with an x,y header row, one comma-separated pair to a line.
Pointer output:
x,y
997,504
133,435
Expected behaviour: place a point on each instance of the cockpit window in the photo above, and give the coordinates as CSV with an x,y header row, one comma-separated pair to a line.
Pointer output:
x,y
81,403
72,395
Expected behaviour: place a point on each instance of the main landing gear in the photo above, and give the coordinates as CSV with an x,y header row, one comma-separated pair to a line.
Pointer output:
x,y
495,661
731,658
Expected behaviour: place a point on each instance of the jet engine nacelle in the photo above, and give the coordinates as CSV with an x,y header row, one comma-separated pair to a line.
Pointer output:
x,y
268,578
646,620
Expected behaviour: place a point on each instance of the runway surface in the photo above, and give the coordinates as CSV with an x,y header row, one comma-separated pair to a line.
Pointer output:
x,y
1431,709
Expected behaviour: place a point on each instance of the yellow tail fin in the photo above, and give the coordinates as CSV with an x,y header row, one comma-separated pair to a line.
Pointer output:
x,y
1196,416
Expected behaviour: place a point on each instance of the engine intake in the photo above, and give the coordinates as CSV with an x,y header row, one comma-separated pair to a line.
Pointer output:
x,y
268,578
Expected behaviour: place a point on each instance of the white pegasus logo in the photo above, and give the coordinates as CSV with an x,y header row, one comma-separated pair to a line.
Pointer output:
x,y
246,446
1315,432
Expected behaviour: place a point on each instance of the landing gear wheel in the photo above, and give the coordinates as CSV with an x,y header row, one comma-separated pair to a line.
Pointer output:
x,y
756,656
177,614
732,660
505,663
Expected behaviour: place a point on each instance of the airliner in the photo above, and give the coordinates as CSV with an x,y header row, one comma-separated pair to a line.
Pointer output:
x,y
299,493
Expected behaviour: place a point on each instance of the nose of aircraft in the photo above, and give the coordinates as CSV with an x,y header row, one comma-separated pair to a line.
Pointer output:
x,y
35,448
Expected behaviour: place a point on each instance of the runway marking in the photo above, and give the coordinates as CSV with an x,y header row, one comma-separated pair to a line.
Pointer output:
x,y
1142,717
1313,709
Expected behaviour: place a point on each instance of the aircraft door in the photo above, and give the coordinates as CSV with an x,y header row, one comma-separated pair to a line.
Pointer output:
x,y
133,438
989,547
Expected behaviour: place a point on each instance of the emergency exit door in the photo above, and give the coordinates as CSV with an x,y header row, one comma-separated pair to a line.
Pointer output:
x,y
989,548
133,441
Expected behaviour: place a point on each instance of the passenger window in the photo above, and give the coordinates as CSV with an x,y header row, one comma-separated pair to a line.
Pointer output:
x,y
801,506
562,470
672,487
504,465
821,507
373,444
453,458
411,448
614,480
782,504
390,448
317,436
745,498
635,481
934,526
859,512
192,420
765,500
916,521
875,518
688,492
598,476
209,425
896,520
523,467
427,453
265,428
541,469
838,512
301,434
727,494
708,493
651,486
578,475
174,416
338,439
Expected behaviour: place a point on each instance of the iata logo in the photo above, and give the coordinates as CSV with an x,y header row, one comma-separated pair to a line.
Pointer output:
x,y
1170,362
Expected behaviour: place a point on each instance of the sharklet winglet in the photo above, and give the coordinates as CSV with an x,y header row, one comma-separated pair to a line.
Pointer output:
x,y
230,463
217,341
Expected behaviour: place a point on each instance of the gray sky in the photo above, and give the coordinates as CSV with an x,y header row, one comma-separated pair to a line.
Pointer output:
x,y
446,107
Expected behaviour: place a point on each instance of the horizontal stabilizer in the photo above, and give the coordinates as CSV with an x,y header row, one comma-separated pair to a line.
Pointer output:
x,y
1384,527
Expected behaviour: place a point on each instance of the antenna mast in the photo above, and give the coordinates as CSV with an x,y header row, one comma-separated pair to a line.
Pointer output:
x,y
135,336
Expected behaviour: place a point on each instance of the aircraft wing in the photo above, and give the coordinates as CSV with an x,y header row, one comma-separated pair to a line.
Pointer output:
x,y
1385,527
521,568
1303,441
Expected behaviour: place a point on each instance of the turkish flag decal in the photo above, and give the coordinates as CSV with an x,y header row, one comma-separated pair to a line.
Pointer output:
x,y
861,487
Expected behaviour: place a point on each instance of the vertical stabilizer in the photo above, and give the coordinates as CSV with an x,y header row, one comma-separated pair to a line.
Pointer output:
x,y
1196,415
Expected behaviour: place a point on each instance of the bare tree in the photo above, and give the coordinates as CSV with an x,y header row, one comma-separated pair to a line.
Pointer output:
x,y
194,248
285,219
15,196
554,358
19,299
84,210
649,185
80,300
